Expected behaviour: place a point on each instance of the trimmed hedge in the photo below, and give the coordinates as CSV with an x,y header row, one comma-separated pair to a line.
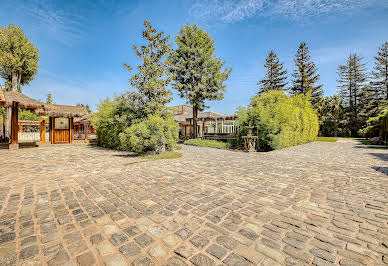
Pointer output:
x,y
208,143
282,121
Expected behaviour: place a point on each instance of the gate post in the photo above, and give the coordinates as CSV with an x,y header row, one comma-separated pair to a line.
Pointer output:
x,y
43,130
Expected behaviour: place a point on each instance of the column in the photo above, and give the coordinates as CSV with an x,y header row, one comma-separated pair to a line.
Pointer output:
x,y
43,130
14,126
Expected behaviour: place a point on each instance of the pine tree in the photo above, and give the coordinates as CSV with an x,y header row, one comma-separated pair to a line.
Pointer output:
x,y
49,98
198,73
275,78
152,77
305,75
352,80
380,73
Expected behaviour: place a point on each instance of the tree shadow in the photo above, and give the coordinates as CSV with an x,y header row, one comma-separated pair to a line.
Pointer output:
x,y
381,169
123,154
381,156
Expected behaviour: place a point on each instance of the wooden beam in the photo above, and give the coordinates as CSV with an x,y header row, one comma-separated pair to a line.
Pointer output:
x,y
70,129
14,123
43,130
51,130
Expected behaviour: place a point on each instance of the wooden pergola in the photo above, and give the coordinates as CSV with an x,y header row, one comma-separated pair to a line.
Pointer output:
x,y
60,117
16,100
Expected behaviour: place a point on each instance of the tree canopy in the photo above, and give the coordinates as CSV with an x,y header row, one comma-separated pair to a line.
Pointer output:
x,y
18,57
275,78
153,76
380,73
305,75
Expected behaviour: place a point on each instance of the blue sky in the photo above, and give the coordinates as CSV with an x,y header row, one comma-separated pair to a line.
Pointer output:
x,y
83,44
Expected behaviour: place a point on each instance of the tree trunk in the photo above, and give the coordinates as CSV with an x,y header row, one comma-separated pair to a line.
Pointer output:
x,y
3,127
15,80
335,127
195,114
8,124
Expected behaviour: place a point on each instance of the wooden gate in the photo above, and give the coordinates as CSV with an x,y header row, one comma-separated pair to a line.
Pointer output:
x,y
61,129
61,136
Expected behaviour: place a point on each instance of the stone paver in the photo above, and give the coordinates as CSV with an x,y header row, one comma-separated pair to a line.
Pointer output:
x,y
319,203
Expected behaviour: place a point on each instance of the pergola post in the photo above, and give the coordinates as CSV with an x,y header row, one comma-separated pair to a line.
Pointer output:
x,y
51,130
43,130
14,127
70,129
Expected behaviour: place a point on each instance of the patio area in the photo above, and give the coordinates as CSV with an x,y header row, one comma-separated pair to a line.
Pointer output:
x,y
320,203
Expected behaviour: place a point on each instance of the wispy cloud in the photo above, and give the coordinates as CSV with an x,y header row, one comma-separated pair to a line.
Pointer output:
x,y
228,11
231,11
61,23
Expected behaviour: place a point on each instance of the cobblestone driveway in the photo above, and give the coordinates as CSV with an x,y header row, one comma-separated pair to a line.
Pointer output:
x,y
319,203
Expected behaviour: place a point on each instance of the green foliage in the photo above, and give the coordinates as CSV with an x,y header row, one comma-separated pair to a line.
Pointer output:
x,y
18,57
129,121
208,143
331,117
87,107
352,80
282,121
305,76
326,139
163,156
275,78
380,73
105,122
28,115
49,98
153,76
375,124
153,135
197,73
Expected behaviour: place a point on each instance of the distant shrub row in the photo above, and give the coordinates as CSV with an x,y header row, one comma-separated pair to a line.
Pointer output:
x,y
282,121
208,143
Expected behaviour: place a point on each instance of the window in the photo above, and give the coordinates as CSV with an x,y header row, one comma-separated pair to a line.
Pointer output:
x,y
61,123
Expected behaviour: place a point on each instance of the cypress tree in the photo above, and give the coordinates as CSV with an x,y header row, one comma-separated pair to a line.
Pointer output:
x,y
275,78
351,84
380,73
305,75
198,75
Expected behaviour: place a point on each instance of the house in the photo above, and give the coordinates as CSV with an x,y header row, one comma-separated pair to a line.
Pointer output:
x,y
210,125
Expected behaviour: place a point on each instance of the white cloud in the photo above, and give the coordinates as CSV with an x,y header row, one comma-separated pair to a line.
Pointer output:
x,y
59,23
228,11
231,11
300,9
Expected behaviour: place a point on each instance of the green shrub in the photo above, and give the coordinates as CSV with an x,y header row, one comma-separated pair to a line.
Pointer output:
x,y
282,121
208,143
326,139
153,135
114,116
375,124
106,126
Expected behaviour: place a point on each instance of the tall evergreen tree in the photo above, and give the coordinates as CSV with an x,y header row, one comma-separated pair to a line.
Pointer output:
x,y
153,76
49,98
352,80
275,78
380,73
198,73
305,75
